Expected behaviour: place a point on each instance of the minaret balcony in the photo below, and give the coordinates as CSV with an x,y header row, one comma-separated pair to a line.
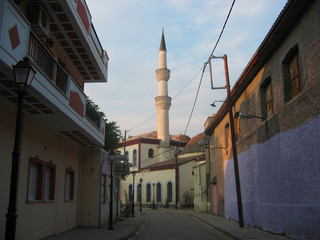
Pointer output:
x,y
162,74
163,102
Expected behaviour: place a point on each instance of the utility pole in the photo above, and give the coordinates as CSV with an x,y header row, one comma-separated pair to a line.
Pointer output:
x,y
233,138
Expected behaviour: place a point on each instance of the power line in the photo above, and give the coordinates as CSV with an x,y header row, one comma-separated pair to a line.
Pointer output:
x,y
172,100
204,67
194,103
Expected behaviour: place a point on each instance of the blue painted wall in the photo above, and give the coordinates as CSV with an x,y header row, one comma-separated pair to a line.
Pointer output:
x,y
280,183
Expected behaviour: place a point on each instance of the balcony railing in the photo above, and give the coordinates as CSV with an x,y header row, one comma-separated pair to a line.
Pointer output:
x,y
45,61
92,114
122,168
52,69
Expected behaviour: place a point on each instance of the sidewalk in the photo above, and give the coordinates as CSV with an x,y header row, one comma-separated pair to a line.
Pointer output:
x,y
127,227
232,228
123,229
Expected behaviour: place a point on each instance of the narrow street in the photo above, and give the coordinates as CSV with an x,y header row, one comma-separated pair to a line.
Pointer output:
x,y
176,225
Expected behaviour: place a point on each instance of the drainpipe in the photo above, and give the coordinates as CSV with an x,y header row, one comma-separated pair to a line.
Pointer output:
x,y
99,220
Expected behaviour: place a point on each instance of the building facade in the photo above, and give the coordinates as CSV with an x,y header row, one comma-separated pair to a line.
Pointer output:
x,y
63,171
275,106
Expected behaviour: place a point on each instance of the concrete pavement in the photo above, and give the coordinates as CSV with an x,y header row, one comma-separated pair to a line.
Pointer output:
x,y
128,227
232,228
123,229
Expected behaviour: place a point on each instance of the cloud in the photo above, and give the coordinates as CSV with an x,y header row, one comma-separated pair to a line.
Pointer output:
x,y
130,31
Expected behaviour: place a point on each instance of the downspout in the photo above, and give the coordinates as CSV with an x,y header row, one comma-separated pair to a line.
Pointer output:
x,y
99,220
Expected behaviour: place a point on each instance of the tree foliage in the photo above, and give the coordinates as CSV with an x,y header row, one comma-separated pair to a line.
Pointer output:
x,y
113,136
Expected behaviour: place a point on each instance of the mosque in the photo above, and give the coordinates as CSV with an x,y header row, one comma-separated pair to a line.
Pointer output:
x,y
161,174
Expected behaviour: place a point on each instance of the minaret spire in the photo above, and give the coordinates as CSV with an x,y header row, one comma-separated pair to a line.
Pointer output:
x,y
163,42
163,101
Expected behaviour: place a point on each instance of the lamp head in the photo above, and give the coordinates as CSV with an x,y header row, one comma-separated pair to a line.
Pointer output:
x,y
111,156
23,72
141,180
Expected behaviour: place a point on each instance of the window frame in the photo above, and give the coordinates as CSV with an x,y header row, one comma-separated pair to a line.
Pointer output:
x,y
150,153
158,192
103,188
148,192
265,103
52,183
134,158
171,193
130,188
72,185
292,54
39,192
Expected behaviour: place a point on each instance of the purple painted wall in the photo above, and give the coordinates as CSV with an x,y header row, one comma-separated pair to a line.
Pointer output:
x,y
280,183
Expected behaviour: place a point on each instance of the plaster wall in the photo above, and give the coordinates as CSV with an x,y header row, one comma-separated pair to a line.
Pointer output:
x,y
186,180
280,188
38,219
200,197
161,176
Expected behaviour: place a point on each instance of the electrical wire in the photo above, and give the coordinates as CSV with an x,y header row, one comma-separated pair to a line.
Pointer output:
x,y
203,70
204,67
172,100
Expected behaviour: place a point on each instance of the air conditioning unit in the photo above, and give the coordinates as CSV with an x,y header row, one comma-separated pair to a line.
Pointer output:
x,y
39,19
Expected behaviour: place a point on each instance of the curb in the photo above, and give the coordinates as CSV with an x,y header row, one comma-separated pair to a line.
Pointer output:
x,y
215,227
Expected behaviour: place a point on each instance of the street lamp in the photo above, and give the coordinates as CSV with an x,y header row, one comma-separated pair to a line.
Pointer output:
x,y
23,73
141,180
246,115
111,159
133,176
214,103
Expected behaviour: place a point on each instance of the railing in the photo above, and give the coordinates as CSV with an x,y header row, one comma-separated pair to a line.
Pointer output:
x,y
45,61
122,168
92,114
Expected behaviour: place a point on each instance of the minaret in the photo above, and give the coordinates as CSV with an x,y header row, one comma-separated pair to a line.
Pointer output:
x,y
163,101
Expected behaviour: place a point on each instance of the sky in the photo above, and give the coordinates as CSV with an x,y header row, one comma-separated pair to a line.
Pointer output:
x,y
130,32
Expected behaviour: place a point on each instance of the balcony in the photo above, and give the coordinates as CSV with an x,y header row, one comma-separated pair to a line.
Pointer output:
x,y
122,168
54,97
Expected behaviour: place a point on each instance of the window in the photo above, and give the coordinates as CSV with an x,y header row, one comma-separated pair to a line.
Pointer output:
x,y
148,192
130,193
139,192
103,188
69,185
35,181
159,198
227,139
236,122
266,98
169,192
41,181
291,74
49,184
134,158
150,153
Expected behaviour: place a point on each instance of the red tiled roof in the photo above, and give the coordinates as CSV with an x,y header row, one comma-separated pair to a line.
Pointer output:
x,y
192,146
154,135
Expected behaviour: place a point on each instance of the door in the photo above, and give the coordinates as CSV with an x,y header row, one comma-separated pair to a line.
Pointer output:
x,y
215,199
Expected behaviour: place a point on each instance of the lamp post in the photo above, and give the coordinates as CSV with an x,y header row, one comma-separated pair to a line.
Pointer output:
x,y
133,176
111,159
141,180
23,76
154,204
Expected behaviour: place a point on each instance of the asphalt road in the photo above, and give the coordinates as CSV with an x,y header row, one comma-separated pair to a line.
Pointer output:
x,y
176,225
